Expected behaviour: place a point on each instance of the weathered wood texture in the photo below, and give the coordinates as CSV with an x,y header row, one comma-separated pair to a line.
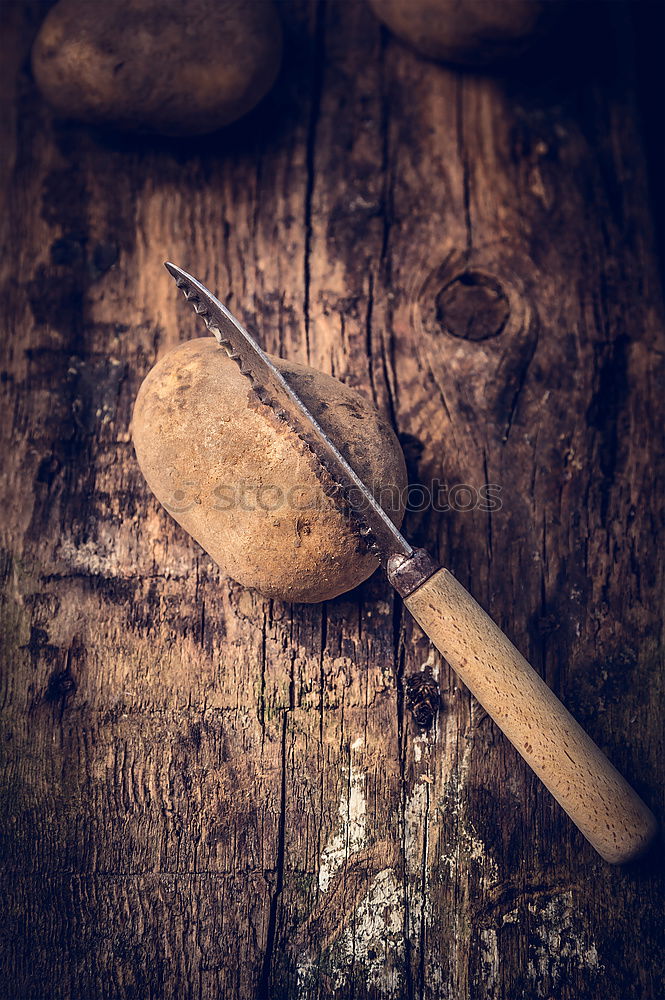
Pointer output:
x,y
207,794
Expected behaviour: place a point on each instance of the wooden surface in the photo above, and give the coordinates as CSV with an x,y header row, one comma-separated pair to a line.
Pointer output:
x,y
207,794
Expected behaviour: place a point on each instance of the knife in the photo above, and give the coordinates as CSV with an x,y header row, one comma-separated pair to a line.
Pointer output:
x,y
597,798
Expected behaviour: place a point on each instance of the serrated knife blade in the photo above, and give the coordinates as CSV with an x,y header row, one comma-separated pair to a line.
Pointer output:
x,y
344,485
602,804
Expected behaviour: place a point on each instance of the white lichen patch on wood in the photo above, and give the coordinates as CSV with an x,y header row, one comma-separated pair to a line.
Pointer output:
x,y
415,822
489,951
416,858
352,832
465,844
105,557
469,847
374,938
87,557
559,944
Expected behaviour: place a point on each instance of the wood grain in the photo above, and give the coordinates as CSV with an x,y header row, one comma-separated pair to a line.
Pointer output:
x,y
209,794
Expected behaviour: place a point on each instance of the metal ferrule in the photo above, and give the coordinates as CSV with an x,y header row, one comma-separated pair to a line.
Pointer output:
x,y
407,573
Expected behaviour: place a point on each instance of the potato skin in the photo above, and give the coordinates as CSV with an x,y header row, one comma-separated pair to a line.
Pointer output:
x,y
157,65
473,33
198,429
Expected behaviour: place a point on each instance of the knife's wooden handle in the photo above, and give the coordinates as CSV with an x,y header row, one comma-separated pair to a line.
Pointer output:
x,y
602,804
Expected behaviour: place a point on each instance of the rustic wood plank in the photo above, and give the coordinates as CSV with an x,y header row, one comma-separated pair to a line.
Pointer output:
x,y
210,794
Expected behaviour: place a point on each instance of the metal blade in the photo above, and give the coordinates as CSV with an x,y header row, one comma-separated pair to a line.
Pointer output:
x,y
343,484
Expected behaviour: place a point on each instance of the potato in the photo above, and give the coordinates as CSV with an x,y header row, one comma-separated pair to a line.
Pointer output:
x,y
472,33
240,481
157,65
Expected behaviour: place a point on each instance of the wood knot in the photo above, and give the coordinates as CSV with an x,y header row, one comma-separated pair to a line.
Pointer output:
x,y
474,295
60,685
476,326
422,699
473,306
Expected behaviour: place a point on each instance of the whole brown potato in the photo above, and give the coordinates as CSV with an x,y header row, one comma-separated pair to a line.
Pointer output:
x,y
167,66
239,480
471,33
